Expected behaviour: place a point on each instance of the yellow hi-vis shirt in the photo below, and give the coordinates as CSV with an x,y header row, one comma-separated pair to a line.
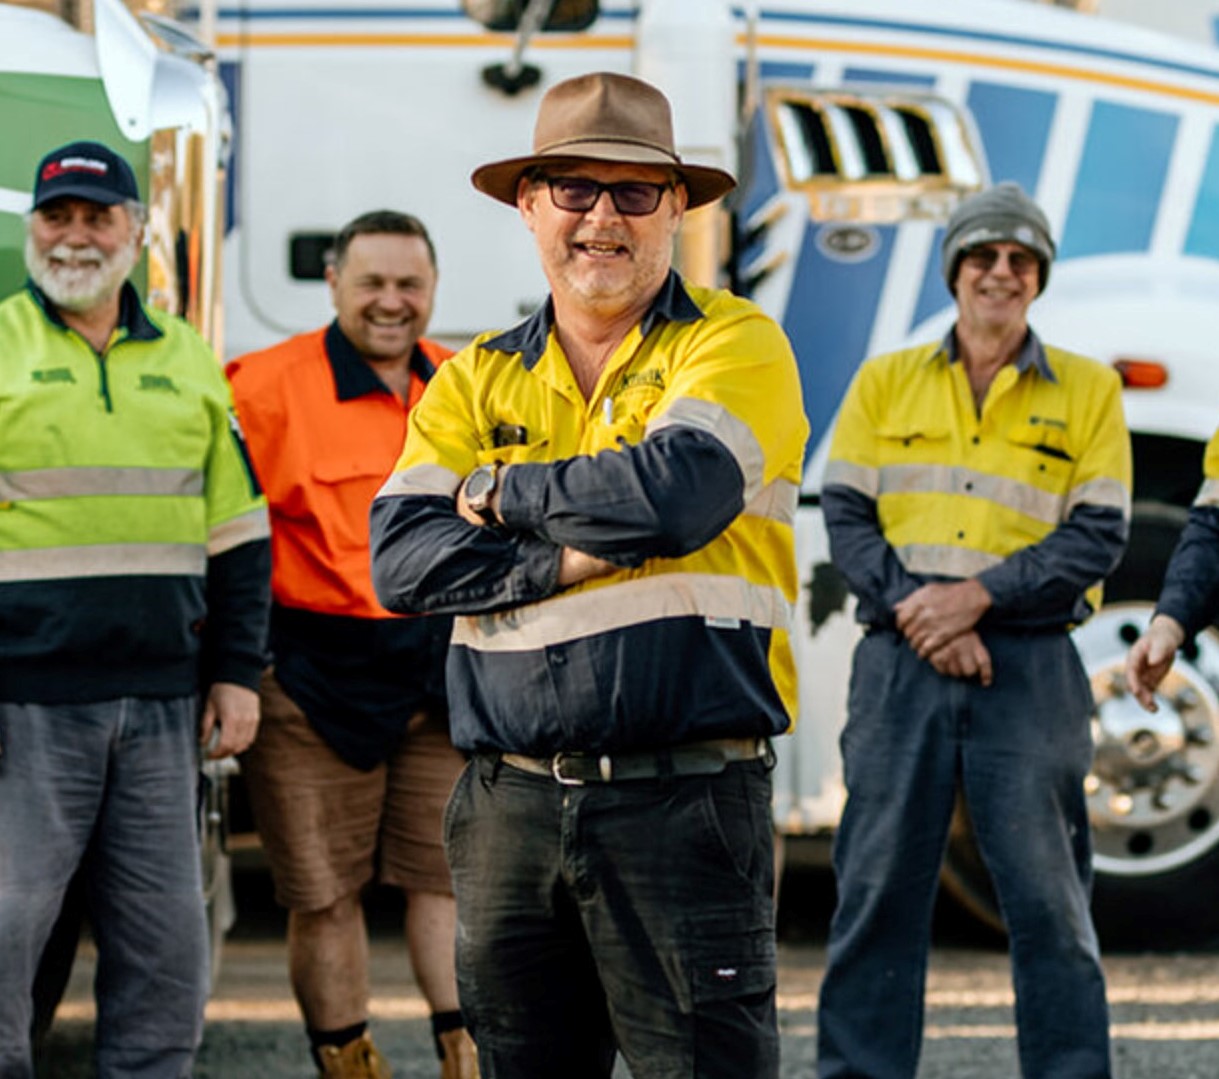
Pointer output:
x,y
682,468
959,492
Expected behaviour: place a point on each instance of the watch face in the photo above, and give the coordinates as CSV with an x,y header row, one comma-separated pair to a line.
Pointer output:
x,y
480,485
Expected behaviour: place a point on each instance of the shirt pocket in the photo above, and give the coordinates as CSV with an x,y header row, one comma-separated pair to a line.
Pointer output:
x,y
1040,454
912,442
517,453
624,418
342,494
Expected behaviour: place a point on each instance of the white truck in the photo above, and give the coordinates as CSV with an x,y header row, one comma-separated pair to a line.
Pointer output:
x,y
855,126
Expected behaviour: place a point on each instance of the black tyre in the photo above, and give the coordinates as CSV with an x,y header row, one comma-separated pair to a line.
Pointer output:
x,y
1153,793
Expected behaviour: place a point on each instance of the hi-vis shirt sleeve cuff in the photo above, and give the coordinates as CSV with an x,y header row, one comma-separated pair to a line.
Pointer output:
x,y
226,535
422,480
718,422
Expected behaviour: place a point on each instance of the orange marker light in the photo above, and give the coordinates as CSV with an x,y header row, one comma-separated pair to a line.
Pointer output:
x,y
1141,374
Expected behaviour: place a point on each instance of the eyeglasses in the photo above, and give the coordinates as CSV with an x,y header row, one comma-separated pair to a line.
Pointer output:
x,y
985,258
632,198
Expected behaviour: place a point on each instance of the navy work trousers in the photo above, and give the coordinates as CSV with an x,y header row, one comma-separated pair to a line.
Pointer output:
x,y
633,916
1019,749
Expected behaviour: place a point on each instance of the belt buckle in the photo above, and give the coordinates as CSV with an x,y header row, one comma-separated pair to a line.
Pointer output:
x,y
556,770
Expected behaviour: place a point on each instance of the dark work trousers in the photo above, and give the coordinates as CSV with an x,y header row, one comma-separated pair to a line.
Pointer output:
x,y
634,916
1019,749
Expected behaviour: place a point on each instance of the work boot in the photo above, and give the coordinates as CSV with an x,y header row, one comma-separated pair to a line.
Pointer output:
x,y
459,1058
358,1059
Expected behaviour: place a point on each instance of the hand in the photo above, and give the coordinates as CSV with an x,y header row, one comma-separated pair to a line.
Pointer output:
x,y
576,566
935,614
231,712
1151,657
964,657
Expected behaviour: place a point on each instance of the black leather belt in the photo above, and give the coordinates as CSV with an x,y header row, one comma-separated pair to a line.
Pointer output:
x,y
691,759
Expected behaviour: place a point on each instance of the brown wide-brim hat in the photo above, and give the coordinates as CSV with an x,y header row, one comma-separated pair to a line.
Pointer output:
x,y
603,117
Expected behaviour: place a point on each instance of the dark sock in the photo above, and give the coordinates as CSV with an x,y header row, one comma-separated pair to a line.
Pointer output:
x,y
318,1038
442,1023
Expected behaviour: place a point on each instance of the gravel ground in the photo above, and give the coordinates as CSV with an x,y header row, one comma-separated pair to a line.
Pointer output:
x,y
1165,1007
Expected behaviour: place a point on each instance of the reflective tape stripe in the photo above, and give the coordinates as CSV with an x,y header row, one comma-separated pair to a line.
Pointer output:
x,y
87,482
620,606
1105,492
422,480
104,560
857,477
1024,498
1208,495
945,561
776,502
234,532
722,425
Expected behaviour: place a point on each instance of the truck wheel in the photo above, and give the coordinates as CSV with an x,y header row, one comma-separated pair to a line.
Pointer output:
x,y
1153,792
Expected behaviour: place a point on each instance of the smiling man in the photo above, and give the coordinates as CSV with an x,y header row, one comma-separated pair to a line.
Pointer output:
x,y
134,566
977,493
605,495
354,763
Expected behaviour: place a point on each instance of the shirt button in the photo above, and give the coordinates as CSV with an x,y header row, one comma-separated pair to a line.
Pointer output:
x,y
960,535
975,440
969,485
558,657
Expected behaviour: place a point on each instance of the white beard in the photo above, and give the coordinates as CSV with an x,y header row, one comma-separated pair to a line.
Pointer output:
x,y
82,277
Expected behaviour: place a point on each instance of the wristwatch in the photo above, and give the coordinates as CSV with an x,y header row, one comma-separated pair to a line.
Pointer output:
x,y
479,489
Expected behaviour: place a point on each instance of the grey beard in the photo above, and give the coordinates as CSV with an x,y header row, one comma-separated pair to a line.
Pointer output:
x,y
77,288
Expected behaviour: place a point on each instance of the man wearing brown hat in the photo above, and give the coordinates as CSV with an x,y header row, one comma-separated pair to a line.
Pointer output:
x,y
134,580
976,494
604,495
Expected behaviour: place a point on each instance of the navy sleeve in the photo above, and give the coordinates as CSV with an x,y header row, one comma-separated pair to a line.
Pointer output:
x,y
427,559
1191,583
665,497
863,556
1043,585
238,608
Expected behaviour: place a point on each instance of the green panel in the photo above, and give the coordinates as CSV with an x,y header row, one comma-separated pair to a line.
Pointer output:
x,y
38,113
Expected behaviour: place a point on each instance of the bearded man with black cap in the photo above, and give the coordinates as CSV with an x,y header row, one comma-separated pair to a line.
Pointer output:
x,y
604,496
134,590
976,494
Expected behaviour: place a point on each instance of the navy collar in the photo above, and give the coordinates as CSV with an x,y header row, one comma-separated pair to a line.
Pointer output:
x,y
132,316
354,376
671,304
1031,354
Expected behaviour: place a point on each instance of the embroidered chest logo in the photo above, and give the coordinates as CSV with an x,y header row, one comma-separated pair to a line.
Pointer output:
x,y
46,375
160,383
1049,422
649,376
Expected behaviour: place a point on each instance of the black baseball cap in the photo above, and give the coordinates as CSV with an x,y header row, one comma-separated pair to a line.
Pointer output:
x,y
84,170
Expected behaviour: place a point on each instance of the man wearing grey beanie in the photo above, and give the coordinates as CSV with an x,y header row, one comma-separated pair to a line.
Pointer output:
x,y
977,492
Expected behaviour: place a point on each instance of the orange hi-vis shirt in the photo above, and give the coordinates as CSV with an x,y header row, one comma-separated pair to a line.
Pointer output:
x,y
323,432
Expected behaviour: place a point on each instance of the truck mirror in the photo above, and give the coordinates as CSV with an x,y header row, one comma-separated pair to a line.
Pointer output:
x,y
565,16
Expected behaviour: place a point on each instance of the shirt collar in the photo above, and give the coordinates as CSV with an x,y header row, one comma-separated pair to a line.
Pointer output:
x,y
1031,354
671,304
132,316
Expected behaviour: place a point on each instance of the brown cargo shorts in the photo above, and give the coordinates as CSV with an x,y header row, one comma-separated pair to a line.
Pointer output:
x,y
327,828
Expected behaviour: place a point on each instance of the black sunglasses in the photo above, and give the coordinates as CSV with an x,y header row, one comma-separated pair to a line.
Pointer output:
x,y
984,259
632,198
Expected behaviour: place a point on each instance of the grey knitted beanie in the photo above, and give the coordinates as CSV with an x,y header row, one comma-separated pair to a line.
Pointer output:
x,y
1000,214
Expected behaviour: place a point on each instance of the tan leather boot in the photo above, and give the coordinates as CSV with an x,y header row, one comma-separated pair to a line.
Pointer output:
x,y
358,1059
460,1060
